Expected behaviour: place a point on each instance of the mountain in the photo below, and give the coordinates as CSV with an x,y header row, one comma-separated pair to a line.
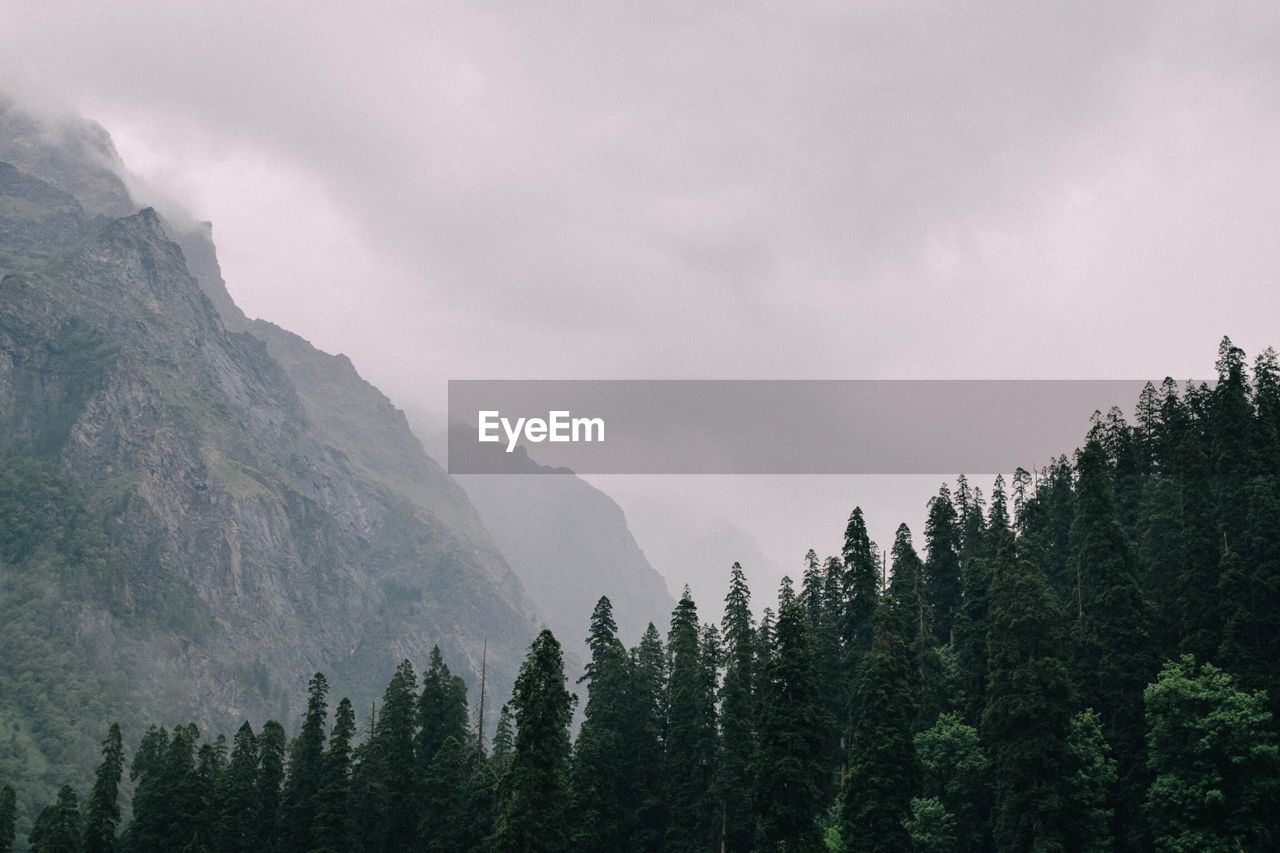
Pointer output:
x,y
698,549
197,511
570,544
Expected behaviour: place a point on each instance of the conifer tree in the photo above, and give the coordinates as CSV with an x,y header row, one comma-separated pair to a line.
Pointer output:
x,y
861,583
907,603
1028,713
146,831
737,718
600,802
647,702
1214,762
972,621
942,586
239,818
58,827
103,809
791,760
692,818
504,741
442,708
882,762
535,791
447,824
306,768
8,817
1250,588
1197,608
272,746
333,820
1113,640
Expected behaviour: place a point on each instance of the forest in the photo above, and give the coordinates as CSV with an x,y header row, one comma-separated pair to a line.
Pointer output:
x,y
1085,659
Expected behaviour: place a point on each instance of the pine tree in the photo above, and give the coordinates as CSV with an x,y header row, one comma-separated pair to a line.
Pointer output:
x,y
1197,608
600,801
103,809
535,792
8,817
333,820
442,708
271,771
942,585
504,741
446,822
692,819
972,621
147,830
240,817
737,718
306,767
861,583
907,603
882,762
57,828
1028,713
647,702
1214,761
1115,659
791,761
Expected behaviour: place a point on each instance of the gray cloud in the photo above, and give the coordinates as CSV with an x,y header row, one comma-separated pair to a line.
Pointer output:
x,y
707,190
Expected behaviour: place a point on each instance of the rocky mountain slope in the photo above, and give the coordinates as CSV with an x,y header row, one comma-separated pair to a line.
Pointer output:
x,y
198,512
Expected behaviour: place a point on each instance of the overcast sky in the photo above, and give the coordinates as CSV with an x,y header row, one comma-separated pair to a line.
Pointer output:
x,y
708,189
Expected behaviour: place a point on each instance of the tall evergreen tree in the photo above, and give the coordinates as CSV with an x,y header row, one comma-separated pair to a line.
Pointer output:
x,y
103,809
861,583
1250,587
535,791
306,770
1090,775
333,820
647,718
1113,639
737,718
692,819
58,827
942,585
447,824
975,581
1197,608
1028,713
600,800
882,762
239,807
504,741
909,606
442,708
792,757
272,747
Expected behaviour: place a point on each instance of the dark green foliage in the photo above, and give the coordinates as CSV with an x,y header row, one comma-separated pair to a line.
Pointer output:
x,y
239,820
103,809
8,817
1091,776
1214,762
271,772
792,755
446,821
534,795
861,584
57,828
956,778
1115,658
1250,589
1196,610
882,760
942,585
692,817
504,741
734,781
1029,706
647,721
306,768
600,780
333,819
442,708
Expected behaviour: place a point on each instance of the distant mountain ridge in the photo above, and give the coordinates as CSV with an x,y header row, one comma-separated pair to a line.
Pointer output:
x,y
254,511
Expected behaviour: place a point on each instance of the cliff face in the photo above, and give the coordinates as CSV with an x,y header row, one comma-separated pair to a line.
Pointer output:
x,y
255,512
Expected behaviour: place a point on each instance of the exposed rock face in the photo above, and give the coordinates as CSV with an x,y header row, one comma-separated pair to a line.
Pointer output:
x,y
266,513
